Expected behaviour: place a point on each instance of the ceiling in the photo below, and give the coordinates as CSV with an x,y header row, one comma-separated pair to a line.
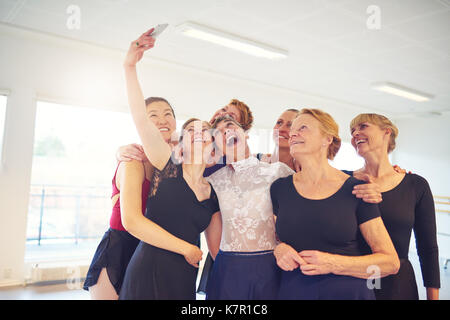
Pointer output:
x,y
332,53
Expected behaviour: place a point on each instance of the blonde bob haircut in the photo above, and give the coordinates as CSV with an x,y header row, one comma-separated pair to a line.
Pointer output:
x,y
381,121
328,127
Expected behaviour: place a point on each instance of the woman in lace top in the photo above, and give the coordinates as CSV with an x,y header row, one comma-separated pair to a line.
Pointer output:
x,y
105,275
244,267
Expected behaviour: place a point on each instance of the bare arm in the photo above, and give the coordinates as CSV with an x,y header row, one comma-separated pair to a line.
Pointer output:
x,y
287,258
213,234
130,177
432,294
156,149
384,257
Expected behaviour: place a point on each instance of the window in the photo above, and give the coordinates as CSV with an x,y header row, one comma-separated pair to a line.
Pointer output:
x,y
261,141
73,165
347,158
2,122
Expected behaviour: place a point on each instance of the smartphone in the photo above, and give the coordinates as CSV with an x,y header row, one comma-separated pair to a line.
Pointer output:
x,y
158,30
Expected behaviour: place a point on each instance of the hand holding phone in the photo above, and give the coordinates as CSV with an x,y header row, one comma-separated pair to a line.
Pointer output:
x,y
158,30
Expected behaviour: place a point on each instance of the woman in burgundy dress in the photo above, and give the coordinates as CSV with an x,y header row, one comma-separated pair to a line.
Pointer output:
x,y
131,184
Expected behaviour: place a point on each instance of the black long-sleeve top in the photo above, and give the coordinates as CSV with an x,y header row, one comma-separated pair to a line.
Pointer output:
x,y
410,206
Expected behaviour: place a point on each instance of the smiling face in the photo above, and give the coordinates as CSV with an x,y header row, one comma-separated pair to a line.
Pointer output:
x,y
373,132
282,128
368,137
197,142
161,115
230,139
307,138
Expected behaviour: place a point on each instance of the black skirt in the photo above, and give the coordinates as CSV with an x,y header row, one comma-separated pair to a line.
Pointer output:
x,y
113,253
400,286
206,274
157,274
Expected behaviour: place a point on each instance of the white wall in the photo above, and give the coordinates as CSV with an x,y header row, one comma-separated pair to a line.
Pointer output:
x,y
423,147
39,66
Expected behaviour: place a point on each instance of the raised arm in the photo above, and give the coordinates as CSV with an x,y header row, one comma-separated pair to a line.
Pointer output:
x,y
129,179
156,149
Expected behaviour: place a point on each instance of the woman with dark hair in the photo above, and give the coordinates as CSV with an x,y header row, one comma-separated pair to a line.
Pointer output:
x,y
131,184
235,109
407,205
164,264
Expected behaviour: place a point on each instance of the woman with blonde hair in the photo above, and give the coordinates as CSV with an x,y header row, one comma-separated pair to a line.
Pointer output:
x,y
318,221
407,205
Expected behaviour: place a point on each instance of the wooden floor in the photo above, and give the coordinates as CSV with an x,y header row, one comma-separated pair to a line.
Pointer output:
x,y
43,292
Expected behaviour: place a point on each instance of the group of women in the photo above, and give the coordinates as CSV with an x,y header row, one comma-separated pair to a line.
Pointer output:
x,y
285,225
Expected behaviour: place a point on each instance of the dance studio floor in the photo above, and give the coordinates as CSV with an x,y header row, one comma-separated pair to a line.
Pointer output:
x,y
61,291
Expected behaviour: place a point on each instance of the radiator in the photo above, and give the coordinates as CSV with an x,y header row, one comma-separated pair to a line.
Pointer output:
x,y
44,273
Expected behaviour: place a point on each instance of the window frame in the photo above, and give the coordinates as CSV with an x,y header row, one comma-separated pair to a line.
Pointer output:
x,y
5,93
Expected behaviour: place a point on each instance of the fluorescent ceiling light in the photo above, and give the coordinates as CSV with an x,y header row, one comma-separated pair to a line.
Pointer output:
x,y
228,40
432,114
401,91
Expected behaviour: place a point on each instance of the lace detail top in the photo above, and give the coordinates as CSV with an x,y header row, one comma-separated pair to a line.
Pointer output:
x,y
243,190
169,171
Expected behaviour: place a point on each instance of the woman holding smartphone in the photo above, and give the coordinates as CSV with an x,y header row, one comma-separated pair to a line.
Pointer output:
x,y
180,206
